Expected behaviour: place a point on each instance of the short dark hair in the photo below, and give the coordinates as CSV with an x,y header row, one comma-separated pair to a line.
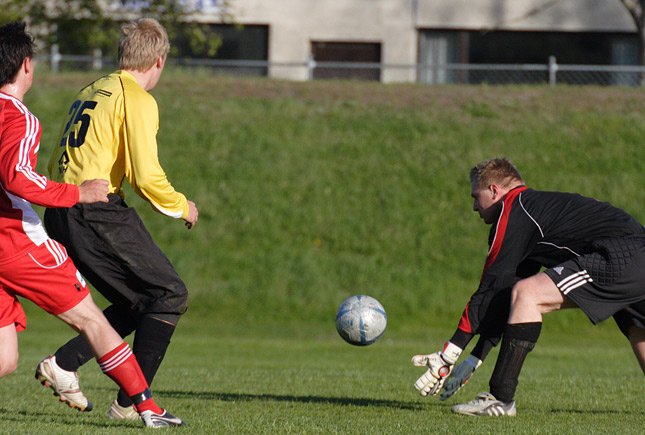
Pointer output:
x,y
16,45
498,170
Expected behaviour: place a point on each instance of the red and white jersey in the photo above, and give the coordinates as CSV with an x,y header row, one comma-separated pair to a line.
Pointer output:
x,y
20,186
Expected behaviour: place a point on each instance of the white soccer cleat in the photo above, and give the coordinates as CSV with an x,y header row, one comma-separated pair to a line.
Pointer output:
x,y
118,412
64,384
486,405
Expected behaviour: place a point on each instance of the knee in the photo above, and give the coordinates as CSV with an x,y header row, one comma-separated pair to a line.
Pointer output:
x,y
176,302
8,364
521,294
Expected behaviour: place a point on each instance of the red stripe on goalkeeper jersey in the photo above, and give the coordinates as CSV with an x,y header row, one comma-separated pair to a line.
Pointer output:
x,y
500,232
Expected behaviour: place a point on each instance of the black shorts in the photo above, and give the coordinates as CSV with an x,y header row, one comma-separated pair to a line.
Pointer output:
x,y
112,248
610,281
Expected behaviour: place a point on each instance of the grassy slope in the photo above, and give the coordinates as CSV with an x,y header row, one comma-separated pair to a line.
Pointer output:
x,y
310,192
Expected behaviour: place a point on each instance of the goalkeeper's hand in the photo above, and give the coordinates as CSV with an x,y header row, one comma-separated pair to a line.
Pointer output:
x,y
439,368
460,376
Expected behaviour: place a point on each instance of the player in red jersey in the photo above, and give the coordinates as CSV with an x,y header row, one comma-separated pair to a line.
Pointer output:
x,y
34,266
594,259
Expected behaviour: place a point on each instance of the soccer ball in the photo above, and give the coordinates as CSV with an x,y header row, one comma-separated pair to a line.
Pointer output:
x,y
361,320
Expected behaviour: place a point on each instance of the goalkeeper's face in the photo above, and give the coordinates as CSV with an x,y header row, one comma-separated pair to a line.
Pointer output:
x,y
486,202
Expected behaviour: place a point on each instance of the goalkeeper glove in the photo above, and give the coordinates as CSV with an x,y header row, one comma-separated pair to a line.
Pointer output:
x,y
439,365
460,376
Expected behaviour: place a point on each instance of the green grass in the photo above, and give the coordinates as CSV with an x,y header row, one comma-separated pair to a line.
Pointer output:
x,y
266,378
311,192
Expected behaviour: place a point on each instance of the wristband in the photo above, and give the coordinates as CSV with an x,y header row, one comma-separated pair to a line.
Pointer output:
x,y
451,352
474,361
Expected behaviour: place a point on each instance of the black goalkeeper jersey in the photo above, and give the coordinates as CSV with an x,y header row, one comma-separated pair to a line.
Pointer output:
x,y
539,229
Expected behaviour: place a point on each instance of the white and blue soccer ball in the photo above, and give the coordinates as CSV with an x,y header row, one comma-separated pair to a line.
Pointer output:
x,y
361,320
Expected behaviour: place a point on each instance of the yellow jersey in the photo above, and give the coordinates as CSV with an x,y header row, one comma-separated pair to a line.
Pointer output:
x,y
110,133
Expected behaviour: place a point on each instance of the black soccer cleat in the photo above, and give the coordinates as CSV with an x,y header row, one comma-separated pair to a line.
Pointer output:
x,y
152,419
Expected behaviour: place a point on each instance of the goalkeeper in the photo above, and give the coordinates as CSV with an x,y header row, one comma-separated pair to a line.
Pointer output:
x,y
594,255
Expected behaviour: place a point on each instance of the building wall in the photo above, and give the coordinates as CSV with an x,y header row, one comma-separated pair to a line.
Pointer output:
x,y
563,15
294,24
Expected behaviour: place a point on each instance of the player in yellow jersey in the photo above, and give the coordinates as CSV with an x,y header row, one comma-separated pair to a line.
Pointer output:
x,y
110,133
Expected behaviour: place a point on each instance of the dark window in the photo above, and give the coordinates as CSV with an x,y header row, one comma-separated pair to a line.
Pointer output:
x,y
355,52
243,42
537,47
240,43
440,50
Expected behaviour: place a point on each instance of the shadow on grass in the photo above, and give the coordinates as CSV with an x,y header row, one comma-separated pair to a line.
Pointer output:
x,y
341,401
73,419
595,412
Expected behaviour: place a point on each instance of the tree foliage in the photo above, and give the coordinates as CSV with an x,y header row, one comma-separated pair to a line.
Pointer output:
x,y
636,9
80,26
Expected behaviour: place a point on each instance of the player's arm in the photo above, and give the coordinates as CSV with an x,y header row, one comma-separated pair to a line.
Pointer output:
x,y
93,191
19,177
508,249
142,167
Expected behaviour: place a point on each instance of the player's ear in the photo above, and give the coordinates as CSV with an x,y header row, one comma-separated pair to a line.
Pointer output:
x,y
28,65
495,191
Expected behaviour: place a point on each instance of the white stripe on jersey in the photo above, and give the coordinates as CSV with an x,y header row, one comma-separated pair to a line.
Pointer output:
x,y
57,250
559,247
574,281
540,229
31,223
27,143
162,210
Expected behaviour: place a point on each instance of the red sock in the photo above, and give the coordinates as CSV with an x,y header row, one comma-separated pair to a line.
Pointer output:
x,y
121,366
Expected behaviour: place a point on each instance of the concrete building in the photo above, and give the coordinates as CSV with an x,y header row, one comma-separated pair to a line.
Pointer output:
x,y
403,33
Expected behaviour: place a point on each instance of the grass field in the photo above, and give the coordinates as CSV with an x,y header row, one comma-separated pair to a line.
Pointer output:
x,y
311,192
269,378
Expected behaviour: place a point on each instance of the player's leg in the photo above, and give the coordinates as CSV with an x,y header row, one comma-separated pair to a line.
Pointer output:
x,y
116,360
62,366
102,249
12,320
637,340
49,279
631,321
530,298
77,351
151,340
8,350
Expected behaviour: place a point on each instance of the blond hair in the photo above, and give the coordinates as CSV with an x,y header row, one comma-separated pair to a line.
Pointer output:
x,y
498,171
142,42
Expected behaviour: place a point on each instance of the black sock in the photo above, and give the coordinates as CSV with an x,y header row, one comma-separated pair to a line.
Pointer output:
x,y
519,339
149,347
77,351
483,347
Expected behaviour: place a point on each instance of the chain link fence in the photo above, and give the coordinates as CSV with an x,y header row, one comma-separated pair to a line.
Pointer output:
x,y
461,74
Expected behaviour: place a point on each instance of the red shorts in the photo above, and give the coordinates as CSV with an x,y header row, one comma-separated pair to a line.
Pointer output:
x,y
46,276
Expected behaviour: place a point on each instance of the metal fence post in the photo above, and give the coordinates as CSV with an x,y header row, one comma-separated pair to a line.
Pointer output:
x,y
311,65
553,70
97,59
55,58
